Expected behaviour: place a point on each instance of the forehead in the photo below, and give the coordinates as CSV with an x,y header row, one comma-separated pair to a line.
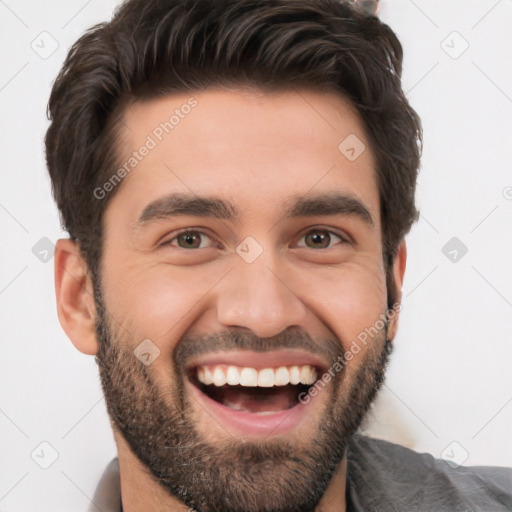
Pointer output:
x,y
256,148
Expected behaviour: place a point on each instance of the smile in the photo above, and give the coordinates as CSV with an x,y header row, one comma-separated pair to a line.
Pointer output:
x,y
255,394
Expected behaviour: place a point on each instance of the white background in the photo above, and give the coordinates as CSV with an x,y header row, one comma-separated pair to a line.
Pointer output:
x,y
450,377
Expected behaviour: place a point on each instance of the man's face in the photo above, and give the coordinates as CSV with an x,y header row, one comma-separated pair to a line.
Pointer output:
x,y
269,282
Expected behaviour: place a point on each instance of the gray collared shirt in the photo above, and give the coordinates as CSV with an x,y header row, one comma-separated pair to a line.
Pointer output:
x,y
386,477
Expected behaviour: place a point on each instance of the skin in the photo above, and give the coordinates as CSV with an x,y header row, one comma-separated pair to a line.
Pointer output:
x,y
257,150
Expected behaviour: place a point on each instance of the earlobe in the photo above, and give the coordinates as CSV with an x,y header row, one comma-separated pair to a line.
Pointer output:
x,y
75,297
399,266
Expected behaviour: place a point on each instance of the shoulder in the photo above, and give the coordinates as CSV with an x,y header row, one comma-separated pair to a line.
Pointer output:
x,y
385,476
107,496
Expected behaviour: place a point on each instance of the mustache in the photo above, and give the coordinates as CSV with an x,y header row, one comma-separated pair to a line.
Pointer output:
x,y
293,338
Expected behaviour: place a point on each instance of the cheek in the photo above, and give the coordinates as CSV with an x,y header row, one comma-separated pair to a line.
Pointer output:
x,y
348,300
156,301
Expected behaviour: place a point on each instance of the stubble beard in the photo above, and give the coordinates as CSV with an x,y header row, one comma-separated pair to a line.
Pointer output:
x,y
272,475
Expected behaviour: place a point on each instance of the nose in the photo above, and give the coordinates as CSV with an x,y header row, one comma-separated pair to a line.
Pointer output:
x,y
256,297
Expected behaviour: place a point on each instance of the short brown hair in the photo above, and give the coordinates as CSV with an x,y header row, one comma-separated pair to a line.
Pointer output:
x,y
152,48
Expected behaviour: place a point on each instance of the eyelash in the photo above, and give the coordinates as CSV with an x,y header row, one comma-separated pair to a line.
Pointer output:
x,y
343,240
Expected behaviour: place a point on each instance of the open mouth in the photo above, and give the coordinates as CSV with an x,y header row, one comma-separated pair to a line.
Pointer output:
x,y
262,391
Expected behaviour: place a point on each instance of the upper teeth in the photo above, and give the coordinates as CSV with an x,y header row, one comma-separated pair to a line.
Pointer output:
x,y
221,374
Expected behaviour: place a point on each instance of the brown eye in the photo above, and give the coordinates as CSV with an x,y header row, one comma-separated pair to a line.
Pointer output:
x,y
320,239
189,240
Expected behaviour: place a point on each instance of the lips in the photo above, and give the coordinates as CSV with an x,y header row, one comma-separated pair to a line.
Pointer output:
x,y
253,393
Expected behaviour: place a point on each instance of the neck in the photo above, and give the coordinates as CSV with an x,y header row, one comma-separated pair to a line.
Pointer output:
x,y
141,492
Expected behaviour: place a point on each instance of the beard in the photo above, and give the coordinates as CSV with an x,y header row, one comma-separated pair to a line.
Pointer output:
x,y
231,475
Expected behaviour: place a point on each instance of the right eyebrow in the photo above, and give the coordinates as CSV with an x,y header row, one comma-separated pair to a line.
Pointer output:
x,y
186,204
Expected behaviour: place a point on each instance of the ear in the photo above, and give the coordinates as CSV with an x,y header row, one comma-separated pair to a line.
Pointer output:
x,y
75,297
398,274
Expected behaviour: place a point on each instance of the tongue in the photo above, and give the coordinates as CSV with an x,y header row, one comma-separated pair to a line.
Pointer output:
x,y
257,400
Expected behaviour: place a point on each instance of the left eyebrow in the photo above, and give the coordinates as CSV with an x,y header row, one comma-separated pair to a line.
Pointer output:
x,y
330,204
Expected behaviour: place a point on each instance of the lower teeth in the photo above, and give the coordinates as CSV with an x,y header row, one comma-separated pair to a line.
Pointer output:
x,y
239,408
255,400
